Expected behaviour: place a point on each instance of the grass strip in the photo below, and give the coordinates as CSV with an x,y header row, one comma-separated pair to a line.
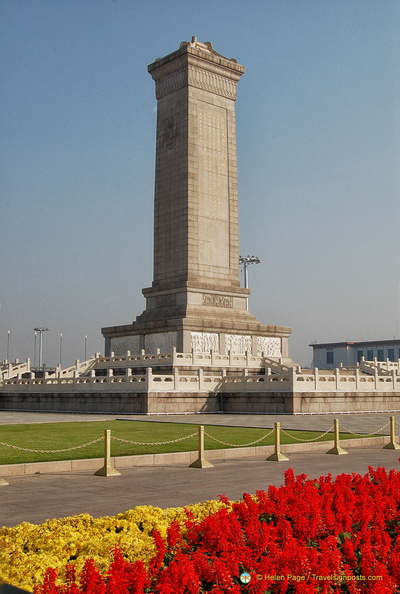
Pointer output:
x,y
57,436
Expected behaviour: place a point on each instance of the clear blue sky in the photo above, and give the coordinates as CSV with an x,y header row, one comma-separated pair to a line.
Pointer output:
x,y
318,133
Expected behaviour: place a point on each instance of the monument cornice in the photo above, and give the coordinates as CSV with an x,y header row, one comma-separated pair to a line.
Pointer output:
x,y
198,65
195,288
201,54
199,324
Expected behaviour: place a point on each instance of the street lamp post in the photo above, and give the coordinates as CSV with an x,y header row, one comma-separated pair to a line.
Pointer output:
x,y
41,330
8,345
246,261
60,350
85,347
34,351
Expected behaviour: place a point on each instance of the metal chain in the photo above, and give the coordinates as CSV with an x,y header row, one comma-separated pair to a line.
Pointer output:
x,y
52,451
242,445
154,442
363,434
308,440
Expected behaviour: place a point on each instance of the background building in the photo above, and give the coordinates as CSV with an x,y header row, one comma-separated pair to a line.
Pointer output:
x,y
330,354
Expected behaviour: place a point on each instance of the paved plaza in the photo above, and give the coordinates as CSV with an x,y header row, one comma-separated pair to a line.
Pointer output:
x,y
39,497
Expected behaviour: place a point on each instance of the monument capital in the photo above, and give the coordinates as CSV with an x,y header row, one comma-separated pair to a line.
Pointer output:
x,y
198,65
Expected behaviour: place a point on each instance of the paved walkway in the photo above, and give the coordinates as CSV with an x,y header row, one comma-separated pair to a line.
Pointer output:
x,y
45,496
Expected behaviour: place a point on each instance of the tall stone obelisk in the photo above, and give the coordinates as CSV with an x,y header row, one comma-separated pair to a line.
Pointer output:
x,y
195,301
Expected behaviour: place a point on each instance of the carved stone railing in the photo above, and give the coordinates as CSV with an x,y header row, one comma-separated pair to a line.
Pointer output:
x,y
335,381
175,359
345,381
8,370
280,365
380,367
79,368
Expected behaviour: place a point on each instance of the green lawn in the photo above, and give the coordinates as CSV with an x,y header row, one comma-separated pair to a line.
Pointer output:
x,y
56,436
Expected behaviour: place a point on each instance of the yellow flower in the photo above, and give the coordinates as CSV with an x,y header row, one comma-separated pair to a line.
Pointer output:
x,y
27,550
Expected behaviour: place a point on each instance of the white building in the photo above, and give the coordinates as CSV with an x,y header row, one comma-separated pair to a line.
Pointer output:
x,y
330,354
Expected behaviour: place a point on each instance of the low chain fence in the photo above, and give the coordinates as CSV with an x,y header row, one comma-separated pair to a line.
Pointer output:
x,y
350,432
241,445
154,443
201,462
78,447
308,440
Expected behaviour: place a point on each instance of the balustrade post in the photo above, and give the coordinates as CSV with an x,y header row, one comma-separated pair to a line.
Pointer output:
x,y
230,357
392,445
201,462
337,378
200,378
316,378
107,469
375,378
212,357
292,377
174,359
277,456
149,379
357,376
247,354
176,378
337,450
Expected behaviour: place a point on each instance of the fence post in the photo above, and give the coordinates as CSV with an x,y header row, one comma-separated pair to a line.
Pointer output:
x,y
201,462
336,448
277,456
107,469
392,445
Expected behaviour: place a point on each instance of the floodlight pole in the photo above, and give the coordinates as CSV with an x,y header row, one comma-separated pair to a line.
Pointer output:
x,y
34,351
41,330
8,345
246,261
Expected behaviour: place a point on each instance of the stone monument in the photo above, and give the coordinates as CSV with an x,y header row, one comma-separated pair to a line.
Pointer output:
x,y
196,302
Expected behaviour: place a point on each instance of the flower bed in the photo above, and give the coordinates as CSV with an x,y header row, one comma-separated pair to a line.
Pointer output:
x,y
27,550
319,535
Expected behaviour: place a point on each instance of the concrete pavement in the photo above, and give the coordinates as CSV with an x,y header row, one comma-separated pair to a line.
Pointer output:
x,y
52,495
44,496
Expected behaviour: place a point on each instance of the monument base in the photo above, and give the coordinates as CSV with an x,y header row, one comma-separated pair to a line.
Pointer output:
x,y
200,328
198,335
158,403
